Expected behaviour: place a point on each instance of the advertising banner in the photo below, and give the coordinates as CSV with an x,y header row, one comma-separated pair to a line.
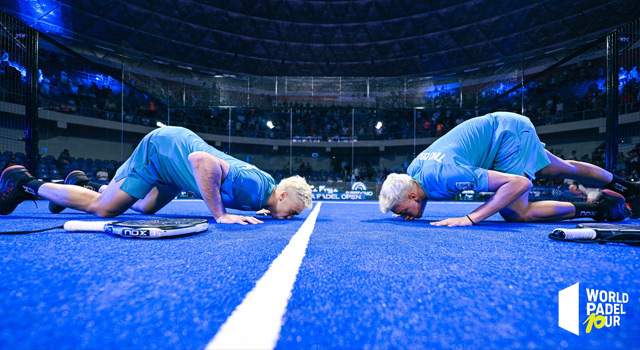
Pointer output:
x,y
357,191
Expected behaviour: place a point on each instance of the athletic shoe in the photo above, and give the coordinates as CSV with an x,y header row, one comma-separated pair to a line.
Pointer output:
x,y
11,193
76,177
634,203
617,209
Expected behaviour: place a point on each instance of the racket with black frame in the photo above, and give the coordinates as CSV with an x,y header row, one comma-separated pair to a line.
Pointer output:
x,y
155,228
599,233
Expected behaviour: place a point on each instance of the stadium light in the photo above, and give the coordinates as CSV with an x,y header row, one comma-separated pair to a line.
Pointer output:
x,y
270,124
378,126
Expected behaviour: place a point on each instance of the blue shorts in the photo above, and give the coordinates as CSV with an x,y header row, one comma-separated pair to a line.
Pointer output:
x,y
138,171
162,159
520,152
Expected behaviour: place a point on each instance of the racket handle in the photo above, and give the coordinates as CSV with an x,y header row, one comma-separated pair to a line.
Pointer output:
x,y
576,233
85,226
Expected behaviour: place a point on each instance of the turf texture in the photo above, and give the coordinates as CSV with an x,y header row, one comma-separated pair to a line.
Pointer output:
x,y
368,281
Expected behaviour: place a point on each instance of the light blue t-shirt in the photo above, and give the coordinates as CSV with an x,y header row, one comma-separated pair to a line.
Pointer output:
x,y
460,160
162,158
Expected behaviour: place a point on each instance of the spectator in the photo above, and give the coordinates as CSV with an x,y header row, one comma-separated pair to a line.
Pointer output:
x,y
63,160
110,108
102,175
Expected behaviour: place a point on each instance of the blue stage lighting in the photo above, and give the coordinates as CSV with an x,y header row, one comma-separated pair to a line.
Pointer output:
x,y
45,15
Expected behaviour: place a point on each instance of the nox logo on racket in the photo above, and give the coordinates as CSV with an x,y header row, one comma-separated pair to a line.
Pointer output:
x,y
130,232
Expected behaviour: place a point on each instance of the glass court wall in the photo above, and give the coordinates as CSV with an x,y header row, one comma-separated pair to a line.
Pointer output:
x,y
328,129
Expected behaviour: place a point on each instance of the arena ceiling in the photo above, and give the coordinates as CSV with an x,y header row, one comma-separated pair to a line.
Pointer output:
x,y
324,38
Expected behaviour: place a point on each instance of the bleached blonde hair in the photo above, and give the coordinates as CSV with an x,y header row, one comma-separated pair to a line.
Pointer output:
x,y
297,185
394,189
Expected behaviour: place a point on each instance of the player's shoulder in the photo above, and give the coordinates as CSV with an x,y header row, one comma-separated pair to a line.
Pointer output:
x,y
424,169
172,130
250,170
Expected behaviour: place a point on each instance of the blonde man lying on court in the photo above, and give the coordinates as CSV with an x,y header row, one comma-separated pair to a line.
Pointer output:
x,y
501,152
167,161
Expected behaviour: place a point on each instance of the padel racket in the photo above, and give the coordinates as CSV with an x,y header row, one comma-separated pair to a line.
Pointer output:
x,y
599,233
610,227
157,228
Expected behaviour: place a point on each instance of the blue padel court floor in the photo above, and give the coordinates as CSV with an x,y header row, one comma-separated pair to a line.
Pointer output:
x,y
366,281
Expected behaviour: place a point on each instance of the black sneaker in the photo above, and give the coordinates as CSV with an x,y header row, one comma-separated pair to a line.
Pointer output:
x,y
634,203
617,209
76,177
11,193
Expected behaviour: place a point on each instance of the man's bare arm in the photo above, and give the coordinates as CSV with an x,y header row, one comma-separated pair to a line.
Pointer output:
x,y
209,171
507,189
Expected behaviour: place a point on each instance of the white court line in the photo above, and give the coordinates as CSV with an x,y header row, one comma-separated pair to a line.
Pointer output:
x,y
359,202
376,202
256,322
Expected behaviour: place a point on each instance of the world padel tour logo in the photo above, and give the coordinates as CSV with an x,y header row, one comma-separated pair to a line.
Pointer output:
x,y
603,308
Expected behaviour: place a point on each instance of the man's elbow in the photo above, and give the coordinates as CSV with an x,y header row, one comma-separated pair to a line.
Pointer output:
x,y
197,159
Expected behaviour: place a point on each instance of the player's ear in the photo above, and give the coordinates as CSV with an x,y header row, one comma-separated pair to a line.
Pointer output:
x,y
283,195
413,196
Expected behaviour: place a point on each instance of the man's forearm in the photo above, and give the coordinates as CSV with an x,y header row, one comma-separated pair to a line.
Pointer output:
x,y
213,199
504,196
208,175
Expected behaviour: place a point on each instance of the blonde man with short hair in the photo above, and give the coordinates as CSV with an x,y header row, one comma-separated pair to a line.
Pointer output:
x,y
294,189
167,161
394,189
500,152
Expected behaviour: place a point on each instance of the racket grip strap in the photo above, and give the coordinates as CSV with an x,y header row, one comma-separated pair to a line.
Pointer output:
x,y
85,226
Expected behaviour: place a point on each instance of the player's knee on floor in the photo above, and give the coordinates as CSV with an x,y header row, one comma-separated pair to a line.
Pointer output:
x,y
105,211
510,215
149,211
145,211
146,207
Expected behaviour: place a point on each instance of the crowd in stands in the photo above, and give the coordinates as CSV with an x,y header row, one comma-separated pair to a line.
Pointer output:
x,y
70,92
64,88
331,124
52,168
573,92
339,171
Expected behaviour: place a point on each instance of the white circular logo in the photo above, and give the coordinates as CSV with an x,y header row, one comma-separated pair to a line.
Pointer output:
x,y
358,186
